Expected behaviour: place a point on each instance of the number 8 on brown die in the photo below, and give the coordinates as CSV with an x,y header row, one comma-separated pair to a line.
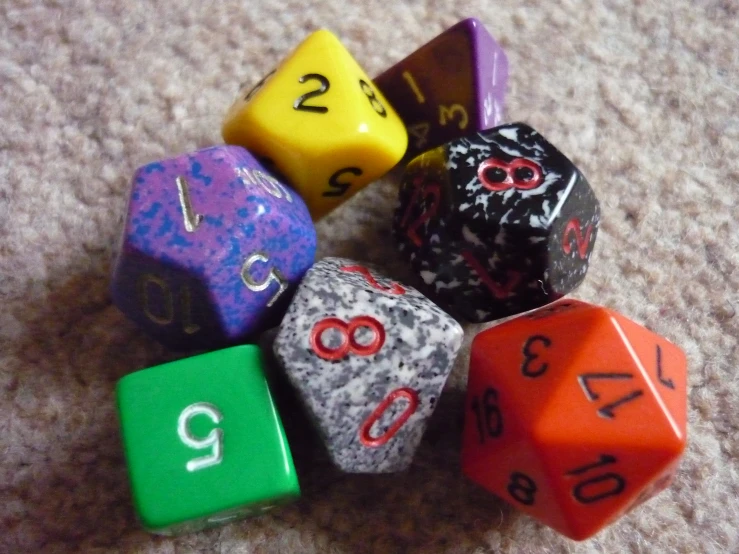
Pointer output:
x,y
368,358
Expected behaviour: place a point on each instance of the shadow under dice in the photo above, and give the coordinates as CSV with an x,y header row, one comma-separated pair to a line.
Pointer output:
x,y
574,414
211,246
496,223
368,357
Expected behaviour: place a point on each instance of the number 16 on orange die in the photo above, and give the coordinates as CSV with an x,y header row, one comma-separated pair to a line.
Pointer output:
x,y
574,414
368,358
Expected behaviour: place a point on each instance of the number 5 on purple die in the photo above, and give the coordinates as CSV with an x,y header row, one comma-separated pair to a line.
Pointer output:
x,y
211,244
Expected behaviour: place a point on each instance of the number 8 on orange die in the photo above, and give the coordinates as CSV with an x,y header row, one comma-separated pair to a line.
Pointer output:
x,y
574,414
368,358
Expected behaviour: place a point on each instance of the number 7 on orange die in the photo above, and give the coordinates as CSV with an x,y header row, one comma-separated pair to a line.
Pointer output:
x,y
368,358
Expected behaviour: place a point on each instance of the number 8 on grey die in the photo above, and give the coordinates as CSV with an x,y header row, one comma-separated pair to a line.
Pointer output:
x,y
368,358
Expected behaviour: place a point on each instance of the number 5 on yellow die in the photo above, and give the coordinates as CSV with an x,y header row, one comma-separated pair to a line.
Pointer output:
x,y
321,121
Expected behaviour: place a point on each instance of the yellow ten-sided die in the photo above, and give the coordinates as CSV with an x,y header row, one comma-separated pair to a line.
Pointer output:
x,y
322,123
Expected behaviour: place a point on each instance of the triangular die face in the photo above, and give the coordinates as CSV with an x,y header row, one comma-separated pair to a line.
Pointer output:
x,y
531,359
663,363
605,392
596,484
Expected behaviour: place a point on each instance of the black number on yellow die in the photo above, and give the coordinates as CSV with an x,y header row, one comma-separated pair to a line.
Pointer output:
x,y
522,488
374,101
300,102
339,189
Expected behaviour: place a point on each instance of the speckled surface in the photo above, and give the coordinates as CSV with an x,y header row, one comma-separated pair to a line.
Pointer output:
x,y
642,96
492,243
418,351
187,271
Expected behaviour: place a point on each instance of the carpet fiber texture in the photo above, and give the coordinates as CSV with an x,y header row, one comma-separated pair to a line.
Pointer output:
x,y
642,95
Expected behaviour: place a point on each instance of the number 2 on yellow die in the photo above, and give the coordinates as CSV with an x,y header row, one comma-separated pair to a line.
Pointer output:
x,y
321,121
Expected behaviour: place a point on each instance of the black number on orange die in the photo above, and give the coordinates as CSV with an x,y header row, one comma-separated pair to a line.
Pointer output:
x,y
660,375
522,488
488,415
530,356
551,310
608,410
300,104
600,486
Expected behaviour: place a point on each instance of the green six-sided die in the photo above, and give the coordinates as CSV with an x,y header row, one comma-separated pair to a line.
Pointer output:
x,y
203,441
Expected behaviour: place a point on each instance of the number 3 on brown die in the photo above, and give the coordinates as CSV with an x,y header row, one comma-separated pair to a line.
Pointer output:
x,y
368,358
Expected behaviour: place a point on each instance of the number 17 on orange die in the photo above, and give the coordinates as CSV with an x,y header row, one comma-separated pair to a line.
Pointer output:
x,y
574,414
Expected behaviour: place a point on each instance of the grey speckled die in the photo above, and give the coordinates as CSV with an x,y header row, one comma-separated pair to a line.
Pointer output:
x,y
368,358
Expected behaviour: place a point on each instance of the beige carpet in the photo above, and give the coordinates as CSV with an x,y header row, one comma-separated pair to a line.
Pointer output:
x,y
642,95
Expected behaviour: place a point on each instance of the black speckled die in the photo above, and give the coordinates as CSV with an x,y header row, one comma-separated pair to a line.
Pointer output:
x,y
496,223
368,358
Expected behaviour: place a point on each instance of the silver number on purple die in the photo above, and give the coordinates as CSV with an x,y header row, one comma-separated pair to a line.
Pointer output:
x,y
274,275
191,219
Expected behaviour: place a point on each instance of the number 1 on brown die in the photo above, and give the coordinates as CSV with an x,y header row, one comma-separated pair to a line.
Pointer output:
x,y
368,358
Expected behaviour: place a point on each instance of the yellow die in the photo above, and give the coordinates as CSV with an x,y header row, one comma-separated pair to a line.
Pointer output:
x,y
321,121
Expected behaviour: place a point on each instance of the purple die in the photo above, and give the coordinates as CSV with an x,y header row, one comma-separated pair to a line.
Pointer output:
x,y
212,246
450,87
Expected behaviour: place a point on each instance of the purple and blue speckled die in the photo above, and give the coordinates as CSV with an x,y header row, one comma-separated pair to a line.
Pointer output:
x,y
451,86
211,248
368,358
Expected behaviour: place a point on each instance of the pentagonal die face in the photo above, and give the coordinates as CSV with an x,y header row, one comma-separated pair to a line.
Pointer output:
x,y
497,223
211,246
574,414
368,357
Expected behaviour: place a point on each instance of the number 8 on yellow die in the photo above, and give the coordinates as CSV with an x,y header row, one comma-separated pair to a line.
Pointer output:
x,y
319,118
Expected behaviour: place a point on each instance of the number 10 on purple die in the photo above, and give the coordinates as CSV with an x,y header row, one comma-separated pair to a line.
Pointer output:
x,y
211,244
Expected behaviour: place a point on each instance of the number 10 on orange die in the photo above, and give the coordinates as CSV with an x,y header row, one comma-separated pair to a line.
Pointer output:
x,y
368,358
574,414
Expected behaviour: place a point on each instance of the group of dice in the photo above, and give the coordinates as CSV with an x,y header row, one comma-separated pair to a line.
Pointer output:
x,y
573,413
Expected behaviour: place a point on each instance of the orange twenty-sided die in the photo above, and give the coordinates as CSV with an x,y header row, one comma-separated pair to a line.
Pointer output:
x,y
574,414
